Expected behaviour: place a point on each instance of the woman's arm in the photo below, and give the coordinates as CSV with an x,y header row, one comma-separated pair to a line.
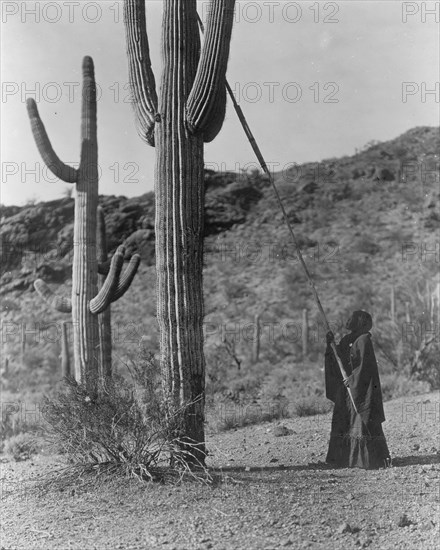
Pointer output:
x,y
332,373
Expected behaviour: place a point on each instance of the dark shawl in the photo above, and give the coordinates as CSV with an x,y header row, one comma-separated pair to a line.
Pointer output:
x,y
357,356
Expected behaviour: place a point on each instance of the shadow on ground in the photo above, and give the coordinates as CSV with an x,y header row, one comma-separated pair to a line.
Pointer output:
x,y
398,462
401,461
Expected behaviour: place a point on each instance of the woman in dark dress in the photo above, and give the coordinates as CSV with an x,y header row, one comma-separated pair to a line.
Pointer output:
x,y
357,439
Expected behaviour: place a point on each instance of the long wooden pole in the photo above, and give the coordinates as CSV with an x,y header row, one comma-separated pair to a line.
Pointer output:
x,y
286,219
263,165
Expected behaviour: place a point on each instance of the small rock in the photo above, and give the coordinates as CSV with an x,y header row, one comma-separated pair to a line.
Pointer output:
x,y
281,431
416,447
386,175
344,528
350,496
286,542
404,521
247,469
273,460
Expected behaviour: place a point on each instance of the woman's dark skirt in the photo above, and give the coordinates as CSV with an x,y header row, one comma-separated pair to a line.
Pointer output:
x,y
352,443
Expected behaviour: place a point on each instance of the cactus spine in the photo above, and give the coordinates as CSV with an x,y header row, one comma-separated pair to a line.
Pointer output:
x,y
189,111
86,302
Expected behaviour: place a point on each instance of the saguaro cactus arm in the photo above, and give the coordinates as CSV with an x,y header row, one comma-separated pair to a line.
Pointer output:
x,y
127,277
206,104
60,303
56,166
105,295
142,81
104,267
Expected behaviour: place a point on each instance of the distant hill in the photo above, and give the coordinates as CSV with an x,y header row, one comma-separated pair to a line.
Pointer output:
x,y
365,223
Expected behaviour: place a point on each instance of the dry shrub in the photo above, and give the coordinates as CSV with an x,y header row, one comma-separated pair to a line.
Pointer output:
x,y
128,428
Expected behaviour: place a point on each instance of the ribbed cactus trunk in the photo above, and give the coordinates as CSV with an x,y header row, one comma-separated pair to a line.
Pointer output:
x,y
190,111
179,220
84,267
65,357
104,318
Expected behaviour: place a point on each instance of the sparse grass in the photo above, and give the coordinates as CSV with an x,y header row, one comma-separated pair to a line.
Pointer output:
x,y
21,446
14,429
228,415
312,407
396,385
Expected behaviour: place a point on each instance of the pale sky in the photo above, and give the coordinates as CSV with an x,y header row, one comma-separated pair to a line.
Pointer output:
x,y
315,80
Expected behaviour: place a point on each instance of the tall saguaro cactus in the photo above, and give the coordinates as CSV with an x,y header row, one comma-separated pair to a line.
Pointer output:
x,y
189,111
86,303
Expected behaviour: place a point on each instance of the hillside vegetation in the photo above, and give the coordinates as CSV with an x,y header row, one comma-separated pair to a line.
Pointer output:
x,y
366,223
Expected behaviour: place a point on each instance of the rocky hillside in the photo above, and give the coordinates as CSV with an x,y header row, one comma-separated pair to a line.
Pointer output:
x,y
37,240
366,223
398,177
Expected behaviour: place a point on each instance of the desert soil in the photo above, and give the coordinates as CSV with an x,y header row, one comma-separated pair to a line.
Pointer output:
x,y
274,493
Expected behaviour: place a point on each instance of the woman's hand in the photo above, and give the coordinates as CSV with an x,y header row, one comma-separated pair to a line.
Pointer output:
x,y
330,337
345,382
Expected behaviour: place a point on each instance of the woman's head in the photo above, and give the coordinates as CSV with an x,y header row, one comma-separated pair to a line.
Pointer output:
x,y
360,322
